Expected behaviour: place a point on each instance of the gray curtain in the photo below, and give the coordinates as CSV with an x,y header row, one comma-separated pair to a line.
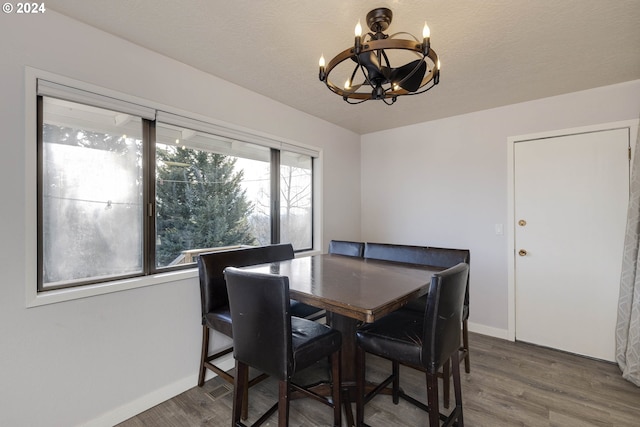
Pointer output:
x,y
628,325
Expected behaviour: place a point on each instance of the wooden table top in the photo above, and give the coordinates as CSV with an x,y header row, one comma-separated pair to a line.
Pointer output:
x,y
361,289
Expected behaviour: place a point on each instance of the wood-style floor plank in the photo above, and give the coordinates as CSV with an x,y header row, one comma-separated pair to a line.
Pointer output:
x,y
510,384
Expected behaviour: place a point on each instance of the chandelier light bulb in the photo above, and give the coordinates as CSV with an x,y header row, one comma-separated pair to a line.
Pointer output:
x,y
426,32
347,84
321,74
358,30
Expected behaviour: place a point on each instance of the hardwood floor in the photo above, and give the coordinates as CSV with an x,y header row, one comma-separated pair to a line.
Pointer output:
x,y
510,384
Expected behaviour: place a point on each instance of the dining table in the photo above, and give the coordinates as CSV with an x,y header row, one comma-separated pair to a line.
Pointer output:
x,y
353,291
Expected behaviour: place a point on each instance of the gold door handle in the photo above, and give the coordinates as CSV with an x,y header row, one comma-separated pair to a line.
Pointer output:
x,y
522,252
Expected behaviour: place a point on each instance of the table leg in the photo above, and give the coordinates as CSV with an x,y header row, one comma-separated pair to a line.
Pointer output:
x,y
347,326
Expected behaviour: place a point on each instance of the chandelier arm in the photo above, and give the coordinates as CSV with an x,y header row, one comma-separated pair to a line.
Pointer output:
x,y
353,75
371,37
352,95
393,100
386,58
404,32
347,100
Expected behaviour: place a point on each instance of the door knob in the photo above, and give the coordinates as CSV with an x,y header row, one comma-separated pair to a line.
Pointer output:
x,y
522,252
522,223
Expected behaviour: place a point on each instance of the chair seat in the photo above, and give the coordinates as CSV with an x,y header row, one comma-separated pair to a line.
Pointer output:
x,y
396,336
311,341
219,320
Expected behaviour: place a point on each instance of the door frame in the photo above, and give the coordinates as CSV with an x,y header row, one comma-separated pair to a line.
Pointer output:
x,y
631,125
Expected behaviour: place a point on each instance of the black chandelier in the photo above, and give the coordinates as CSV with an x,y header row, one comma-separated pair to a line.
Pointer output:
x,y
372,54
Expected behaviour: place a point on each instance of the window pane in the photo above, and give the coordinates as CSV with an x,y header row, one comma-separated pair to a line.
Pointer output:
x,y
91,193
296,220
211,192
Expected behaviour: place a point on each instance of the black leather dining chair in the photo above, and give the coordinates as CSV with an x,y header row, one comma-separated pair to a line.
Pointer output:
x,y
436,257
215,302
424,342
281,346
347,248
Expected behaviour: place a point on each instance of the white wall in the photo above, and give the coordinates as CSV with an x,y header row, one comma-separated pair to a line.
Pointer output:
x,y
444,183
94,360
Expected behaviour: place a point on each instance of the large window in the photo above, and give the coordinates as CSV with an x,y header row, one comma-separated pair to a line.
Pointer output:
x,y
91,194
124,195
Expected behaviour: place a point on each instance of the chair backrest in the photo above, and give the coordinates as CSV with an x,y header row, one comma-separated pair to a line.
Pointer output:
x,y
446,257
345,247
423,255
396,253
211,265
261,321
443,316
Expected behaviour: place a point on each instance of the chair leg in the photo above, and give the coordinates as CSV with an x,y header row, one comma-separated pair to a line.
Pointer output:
x,y
446,381
336,389
244,378
240,383
432,400
360,380
465,345
457,387
203,355
283,404
395,390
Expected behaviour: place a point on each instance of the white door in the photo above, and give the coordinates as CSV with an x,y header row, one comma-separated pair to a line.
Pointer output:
x,y
571,194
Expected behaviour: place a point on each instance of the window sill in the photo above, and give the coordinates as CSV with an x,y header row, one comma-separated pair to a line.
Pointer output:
x,y
35,299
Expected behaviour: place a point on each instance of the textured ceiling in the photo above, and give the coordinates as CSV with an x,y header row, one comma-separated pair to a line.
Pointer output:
x,y
493,52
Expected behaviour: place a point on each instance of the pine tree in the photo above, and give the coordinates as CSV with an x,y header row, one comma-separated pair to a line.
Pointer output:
x,y
200,203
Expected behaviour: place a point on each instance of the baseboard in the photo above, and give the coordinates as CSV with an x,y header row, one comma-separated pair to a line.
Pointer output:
x,y
142,403
488,330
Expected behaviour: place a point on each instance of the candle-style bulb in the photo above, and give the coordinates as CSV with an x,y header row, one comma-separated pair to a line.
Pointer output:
x,y
347,84
426,32
321,74
357,44
358,30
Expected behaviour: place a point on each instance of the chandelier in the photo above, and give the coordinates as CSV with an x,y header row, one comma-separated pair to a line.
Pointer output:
x,y
373,55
